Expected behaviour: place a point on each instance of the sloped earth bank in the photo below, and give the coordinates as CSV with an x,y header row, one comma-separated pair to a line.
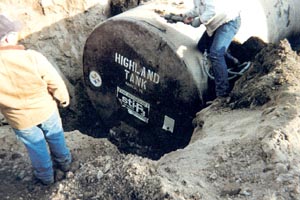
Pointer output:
x,y
247,148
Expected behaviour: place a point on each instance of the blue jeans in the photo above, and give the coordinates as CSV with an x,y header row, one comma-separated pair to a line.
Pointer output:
x,y
218,44
36,139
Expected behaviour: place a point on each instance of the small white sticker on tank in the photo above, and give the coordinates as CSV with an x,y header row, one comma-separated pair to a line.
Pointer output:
x,y
95,78
169,124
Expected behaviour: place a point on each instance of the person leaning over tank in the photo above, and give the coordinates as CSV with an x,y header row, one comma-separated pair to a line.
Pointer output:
x,y
31,91
222,21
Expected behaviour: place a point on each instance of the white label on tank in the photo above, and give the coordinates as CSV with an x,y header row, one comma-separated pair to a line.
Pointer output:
x,y
135,106
169,124
95,79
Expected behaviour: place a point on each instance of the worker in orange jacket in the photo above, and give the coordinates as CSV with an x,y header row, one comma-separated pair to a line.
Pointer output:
x,y
29,98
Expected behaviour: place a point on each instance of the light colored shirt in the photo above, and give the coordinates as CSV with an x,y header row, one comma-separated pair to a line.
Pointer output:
x,y
30,88
214,13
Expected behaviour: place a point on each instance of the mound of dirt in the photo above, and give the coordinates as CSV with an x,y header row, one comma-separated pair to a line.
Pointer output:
x,y
254,138
274,70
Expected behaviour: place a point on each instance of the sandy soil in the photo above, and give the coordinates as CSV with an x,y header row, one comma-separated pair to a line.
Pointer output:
x,y
246,148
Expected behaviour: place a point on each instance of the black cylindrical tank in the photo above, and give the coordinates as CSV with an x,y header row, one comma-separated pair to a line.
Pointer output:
x,y
138,75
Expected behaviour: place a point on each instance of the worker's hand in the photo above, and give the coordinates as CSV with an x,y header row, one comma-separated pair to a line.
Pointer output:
x,y
188,20
64,104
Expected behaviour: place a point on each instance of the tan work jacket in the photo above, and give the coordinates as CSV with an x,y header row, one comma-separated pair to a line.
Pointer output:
x,y
30,87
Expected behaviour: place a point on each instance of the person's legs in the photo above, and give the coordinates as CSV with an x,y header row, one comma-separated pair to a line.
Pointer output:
x,y
204,42
54,135
36,145
222,39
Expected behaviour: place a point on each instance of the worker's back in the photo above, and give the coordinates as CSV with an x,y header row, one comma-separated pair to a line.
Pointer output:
x,y
24,97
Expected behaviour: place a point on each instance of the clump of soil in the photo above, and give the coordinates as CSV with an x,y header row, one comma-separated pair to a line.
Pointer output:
x,y
275,68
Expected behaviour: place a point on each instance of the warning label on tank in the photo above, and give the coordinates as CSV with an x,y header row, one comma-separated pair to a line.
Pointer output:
x,y
135,106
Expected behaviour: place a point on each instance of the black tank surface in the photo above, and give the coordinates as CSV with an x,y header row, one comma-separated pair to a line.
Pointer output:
x,y
140,87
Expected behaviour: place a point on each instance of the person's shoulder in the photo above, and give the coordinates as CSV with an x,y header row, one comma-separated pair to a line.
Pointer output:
x,y
34,53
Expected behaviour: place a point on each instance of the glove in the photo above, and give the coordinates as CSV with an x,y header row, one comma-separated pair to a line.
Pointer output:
x,y
173,18
196,22
193,21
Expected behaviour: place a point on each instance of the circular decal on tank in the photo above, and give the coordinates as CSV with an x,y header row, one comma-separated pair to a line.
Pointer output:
x,y
95,79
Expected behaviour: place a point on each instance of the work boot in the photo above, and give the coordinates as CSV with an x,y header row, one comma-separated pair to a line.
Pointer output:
x,y
43,182
219,101
65,167
48,182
